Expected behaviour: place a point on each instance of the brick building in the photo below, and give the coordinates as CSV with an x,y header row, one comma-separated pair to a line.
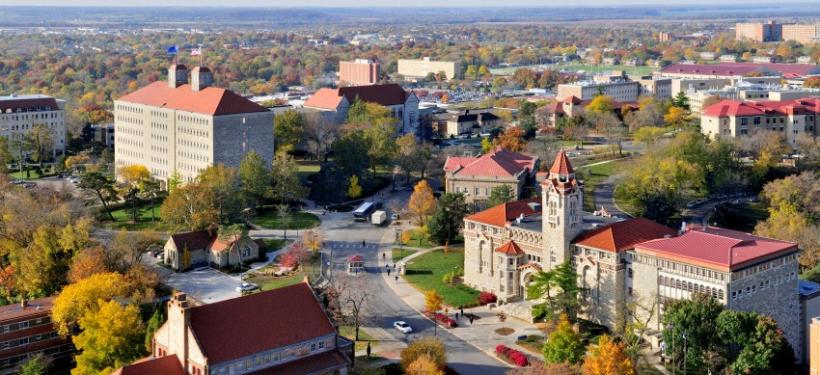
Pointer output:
x,y
477,176
358,72
179,127
281,331
403,105
769,31
26,330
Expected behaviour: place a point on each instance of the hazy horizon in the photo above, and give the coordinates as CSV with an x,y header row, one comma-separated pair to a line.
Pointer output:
x,y
381,3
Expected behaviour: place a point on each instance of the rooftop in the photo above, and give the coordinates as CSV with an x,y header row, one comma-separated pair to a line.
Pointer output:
x,y
167,365
497,163
386,95
717,248
742,69
623,235
15,310
28,103
506,212
732,108
210,100
250,324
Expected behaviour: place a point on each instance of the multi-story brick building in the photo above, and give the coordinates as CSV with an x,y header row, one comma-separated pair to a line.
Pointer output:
x,y
477,176
734,118
26,330
622,263
20,114
419,69
403,105
176,127
281,331
358,72
769,31
803,33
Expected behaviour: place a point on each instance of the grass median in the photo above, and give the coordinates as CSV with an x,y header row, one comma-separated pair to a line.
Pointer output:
x,y
427,272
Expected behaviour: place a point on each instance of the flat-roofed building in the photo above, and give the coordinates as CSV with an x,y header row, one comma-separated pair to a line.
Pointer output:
x,y
737,70
419,69
803,33
176,127
358,72
769,31
620,90
26,330
20,114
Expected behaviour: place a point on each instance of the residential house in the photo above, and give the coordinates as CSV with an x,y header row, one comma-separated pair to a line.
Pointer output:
x,y
207,248
403,105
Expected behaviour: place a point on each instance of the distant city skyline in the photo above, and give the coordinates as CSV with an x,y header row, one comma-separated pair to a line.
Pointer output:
x,y
381,3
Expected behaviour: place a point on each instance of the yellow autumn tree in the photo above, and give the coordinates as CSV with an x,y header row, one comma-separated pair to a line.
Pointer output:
x,y
133,174
112,336
432,301
676,116
422,202
600,104
423,365
77,299
312,239
607,358
354,190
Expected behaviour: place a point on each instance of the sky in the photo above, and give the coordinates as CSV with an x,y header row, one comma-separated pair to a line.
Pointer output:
x,y
370,3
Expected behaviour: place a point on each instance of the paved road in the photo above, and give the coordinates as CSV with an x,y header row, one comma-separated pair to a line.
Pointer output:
x,y
345,237
603,196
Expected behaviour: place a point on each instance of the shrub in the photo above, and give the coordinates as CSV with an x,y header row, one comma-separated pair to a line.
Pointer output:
x,y
428,346
512,355
486,297
424,365
294,256
500,348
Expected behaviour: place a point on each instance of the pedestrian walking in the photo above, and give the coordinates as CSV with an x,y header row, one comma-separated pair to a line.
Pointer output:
x,y
384,255
397,278
456,315
362,243
471,320
462,310
368,349
388,272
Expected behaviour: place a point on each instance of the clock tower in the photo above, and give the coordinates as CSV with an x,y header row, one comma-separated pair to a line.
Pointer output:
x,y
562,198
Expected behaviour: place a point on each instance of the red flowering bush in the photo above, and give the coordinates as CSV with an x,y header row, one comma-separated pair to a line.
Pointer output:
x,y
512,355
501,349
446,320
486,297
294,256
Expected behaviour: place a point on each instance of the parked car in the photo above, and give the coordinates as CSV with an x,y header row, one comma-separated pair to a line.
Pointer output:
x,y
246,287
394,216
402,327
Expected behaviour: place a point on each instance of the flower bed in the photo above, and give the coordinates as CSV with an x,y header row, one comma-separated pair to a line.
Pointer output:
x,y
511,355
486,297
445,320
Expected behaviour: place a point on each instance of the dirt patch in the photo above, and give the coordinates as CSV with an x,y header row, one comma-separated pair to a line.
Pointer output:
x,y
504,331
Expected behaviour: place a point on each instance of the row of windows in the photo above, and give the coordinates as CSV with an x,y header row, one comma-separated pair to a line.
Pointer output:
x,y
36,116
683,268
128,108
765,266
192,119
131,131
198,145
264,360
689,286
24,324
752,289
13,361
193,132
26,340
132,120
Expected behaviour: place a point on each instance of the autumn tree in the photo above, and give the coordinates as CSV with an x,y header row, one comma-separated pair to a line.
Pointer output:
x,y
5,155
102,186
423,365
676,116
607,358
313,239
78,299
600,104
111,336
354,190
189,207
446,223
511,140
133,177
430,347
411,156
319,134
432,301
564,344
287,186
422,202
541,368
39,141
86,263
35,365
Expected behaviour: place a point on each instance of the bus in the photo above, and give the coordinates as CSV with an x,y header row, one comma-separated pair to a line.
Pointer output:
x,y
362,213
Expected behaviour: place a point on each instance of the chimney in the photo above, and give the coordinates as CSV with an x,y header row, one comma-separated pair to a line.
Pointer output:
x,y
23,303
201,77
177,75
682,227
179,318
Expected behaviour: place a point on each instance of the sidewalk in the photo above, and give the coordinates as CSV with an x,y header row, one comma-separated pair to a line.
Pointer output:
x,y
481,334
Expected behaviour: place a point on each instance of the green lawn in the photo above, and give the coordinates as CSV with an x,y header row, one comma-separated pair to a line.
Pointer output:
x,y
123,218
265,282
743,217
426,273
269,218
273,244
399,254
22,175
348,331
417,238
308,167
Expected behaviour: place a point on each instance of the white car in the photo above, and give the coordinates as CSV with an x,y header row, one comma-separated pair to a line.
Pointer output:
x,y
402,327
246,287
394,216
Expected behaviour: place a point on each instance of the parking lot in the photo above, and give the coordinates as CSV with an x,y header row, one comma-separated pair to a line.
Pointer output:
x,y
205,284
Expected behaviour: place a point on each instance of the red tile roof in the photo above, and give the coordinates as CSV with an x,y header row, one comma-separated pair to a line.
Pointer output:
x,y
741,69
386,95
718,248
623,235
506,212
510,248
242,326
561,165
498,163
167,365
210,101
733,108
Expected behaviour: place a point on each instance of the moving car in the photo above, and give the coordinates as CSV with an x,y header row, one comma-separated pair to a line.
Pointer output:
x,y
402,327
246,287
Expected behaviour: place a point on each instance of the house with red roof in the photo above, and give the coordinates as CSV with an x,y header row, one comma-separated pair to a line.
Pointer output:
x,y
572,106
740,118
179,128
282,331
207,247
403,105
476,177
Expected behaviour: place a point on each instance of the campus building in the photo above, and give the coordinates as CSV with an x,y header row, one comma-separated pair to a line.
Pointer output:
x,y
620,90
419,69
736,118
403,105
20,114
744,70
181,127
769,31
623,263
280,331
476,177
358,72
207,248
26,330
803,33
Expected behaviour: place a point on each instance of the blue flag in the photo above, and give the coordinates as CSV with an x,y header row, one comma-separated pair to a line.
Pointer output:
x,y
172,50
